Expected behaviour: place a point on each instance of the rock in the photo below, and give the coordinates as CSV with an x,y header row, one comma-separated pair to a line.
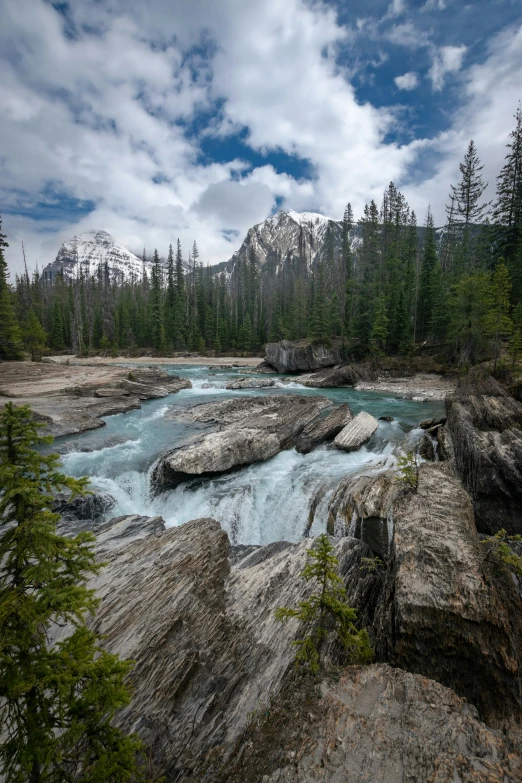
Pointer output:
x,y
253,429
485,425
375,725
357,432
300,356
110,392
346,375
430,424
121,531
263,368
445,445
386,418
362,507
90,508
427,447
323,428
209,653
447,613
251,383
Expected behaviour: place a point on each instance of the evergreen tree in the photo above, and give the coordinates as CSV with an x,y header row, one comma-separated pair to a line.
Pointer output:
x,y
326,611
156,310
497,322
10,335
469,207
380,326
57,701
468,304
426,279
507,212
34,336
57,334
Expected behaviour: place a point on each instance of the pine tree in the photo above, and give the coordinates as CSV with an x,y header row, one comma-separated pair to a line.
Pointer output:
x,y
507,212
156,310
57,700
497,321
469,207
57,333
428,265
34,336
468,305
326,611
380,326
10,335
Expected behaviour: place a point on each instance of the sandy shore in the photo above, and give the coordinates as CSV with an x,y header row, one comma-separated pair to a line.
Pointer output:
x,y
201,361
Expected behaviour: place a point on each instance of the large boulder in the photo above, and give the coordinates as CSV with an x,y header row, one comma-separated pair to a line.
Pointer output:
x,y
485,425
300,356
375,724
251,383
323,428
252,429
449,613
345,375
358,431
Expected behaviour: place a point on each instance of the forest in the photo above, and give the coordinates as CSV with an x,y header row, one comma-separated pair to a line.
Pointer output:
x,y
378,284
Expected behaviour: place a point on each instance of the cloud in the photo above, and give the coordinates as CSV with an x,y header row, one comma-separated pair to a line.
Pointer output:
x,y
397,7
235,204
407,81
446,59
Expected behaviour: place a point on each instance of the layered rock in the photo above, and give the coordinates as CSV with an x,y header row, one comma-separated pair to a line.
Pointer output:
x,y
251,383
345,375
448,613
300,356
209,653
485,425
376,725
358,431
252,429
323,428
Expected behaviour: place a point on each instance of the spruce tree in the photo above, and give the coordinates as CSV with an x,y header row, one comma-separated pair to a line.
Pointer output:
x,y
427,270
57,701
34,336
10,335
57,333
507,212
379,334
469,207
497,321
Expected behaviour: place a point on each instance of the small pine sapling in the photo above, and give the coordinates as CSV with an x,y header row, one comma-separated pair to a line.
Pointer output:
x,y
326,611
499,546
408,467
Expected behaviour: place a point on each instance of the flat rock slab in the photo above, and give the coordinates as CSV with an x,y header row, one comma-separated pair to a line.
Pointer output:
x,y
323,428
252,429
251,383
357,432
300,356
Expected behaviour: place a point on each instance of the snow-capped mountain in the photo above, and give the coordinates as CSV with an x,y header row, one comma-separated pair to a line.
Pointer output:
x,y
91,250
286,235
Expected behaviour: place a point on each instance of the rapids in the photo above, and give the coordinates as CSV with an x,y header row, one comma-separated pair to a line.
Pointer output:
x,y
264,502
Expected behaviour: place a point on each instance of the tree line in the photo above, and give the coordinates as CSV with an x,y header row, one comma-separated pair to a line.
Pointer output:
x,y
379,285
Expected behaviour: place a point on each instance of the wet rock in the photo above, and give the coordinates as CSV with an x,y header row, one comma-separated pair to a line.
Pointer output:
x,y
251,383
431,424
300,356
376,725
90,509
427,447
485,425
345,375
386,418
252,429
357,432
323,428
445,445
263,368
448,613
209,653
121,531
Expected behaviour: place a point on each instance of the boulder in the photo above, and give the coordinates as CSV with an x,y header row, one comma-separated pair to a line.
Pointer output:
x,y
448,613
346,375
300,356
375,725
427,447
252,429
90,509
357,432
386,418
323,428
251,383
485,425
432,424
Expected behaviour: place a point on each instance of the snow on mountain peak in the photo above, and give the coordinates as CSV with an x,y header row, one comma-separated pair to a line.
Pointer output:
x,y
91,250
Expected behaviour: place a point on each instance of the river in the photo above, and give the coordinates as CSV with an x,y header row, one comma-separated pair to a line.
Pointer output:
x,y
265,502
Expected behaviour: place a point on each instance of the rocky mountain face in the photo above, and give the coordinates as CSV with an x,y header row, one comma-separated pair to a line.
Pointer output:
x,y
90,251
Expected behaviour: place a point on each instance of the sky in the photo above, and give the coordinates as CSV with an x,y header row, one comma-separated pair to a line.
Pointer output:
x,y
196,119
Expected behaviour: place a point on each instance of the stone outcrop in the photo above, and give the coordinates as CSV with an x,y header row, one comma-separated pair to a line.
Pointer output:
x,y
426,447
251,383
300,356
323,428
485,425
209,653
448,613
376,725
252,429
345,375
358,431
90,508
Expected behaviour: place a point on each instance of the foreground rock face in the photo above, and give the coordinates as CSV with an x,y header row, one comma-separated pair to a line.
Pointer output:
x,y
485,425
448,613
209,653
357,432
253,429
323,428
300,356
377,725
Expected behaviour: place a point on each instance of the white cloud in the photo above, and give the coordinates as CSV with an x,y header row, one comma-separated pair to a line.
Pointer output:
x,y
434,5
407,81
397,7
446,59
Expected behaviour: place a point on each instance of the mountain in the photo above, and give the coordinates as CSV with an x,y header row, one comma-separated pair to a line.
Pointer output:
x,y
284,236
91,250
